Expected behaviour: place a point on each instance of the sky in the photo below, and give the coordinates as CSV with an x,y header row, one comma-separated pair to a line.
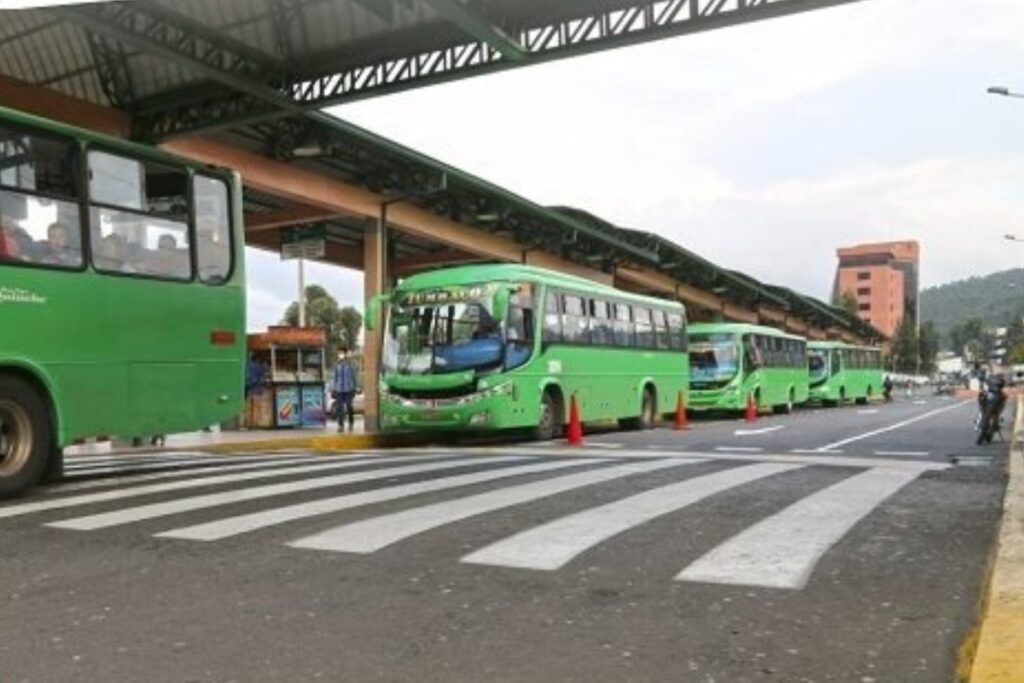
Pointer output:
x,y
761,147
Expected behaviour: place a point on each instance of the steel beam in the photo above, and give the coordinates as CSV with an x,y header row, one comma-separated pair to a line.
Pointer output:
x,y
257,92
480,28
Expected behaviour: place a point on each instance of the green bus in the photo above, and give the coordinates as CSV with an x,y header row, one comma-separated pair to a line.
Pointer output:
x,y
841,372
730,362
490,347
122,294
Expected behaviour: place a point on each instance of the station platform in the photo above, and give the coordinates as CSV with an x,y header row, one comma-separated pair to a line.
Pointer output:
x,y
217,440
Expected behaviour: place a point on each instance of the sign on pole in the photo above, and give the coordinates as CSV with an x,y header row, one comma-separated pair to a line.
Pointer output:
x,y
306,242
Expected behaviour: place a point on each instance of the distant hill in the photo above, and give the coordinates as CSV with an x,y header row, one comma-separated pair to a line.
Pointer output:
x,y
994,298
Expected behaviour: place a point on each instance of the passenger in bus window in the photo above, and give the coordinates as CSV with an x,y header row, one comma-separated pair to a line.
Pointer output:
x,y
59,250
10,242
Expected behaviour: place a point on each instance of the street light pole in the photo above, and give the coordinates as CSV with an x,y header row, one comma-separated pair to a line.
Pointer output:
x,y
1003,91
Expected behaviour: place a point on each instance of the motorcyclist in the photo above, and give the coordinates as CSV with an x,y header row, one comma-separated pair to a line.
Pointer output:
x,y
992,400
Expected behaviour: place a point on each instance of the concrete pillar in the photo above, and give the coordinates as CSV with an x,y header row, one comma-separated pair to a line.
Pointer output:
x,y
374,282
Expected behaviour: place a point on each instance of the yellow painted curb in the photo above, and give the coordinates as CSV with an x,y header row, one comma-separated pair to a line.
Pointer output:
x,y
1000,654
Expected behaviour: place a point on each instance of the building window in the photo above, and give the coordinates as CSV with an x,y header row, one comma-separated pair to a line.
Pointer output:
x,y
863,291
864,276
863,307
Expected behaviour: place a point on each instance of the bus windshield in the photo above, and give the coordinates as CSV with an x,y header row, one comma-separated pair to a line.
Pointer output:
x,y
713,357
443,338
817,364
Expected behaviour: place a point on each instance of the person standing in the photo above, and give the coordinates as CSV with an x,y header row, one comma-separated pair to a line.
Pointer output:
x,y
343,390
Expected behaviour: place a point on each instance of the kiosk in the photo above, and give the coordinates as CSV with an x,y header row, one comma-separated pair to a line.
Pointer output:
x,y
293,393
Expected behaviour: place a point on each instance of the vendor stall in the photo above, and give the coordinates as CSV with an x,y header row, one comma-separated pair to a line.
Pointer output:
x,y
292,392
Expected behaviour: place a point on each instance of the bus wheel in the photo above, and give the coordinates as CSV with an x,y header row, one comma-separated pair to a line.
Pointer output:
x,y
842,395
787,407
863,400
550,419
649,409
25,437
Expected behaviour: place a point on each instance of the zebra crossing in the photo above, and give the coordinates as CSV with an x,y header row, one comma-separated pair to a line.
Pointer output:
x,y
433,489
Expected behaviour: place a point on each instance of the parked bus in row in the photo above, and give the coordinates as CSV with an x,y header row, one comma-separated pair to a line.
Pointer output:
x,y
842,372
732,362
122,302
489,347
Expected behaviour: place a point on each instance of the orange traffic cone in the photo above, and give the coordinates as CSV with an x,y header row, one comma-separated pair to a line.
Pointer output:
x,y
681,422
751,414
574,435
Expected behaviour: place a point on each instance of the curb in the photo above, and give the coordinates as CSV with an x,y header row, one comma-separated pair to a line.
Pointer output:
x,y
998,658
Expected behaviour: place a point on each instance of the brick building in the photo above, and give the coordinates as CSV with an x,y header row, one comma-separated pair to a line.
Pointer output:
x,y
883,277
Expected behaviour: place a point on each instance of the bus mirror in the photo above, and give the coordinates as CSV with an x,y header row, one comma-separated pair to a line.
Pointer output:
x,y
373,308
501,298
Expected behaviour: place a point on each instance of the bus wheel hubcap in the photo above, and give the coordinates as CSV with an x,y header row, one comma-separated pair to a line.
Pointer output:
x,y
15,438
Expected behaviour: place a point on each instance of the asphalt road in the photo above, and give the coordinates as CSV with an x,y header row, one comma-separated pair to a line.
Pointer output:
x,y
830,545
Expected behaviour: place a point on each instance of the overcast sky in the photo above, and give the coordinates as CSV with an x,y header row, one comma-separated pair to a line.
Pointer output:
x,y
762,147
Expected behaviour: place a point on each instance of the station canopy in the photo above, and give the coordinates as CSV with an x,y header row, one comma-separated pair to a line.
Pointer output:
x,y
255,73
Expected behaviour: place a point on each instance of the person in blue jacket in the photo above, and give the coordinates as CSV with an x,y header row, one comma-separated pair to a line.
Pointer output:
x,y
343,390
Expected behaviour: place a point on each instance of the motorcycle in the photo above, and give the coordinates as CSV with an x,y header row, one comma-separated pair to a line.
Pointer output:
x,y
990,419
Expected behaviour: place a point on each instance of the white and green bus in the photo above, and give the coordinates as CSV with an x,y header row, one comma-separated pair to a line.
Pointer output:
x,y
842,372
730,362
490,347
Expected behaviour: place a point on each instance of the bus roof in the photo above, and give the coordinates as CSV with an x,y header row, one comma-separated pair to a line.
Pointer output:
x,y
838,345
739,328
515,272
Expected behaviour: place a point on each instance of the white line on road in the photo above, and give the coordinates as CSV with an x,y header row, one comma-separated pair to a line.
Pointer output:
x,y
603,444
869,411
763,430
373,534
781,551
179,505
240,524
920,403
813,450
739,449
266,471
914,454
898,425
553,545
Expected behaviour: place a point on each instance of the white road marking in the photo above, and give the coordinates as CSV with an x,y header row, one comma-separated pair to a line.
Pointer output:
x,y
920,403
171,507
870,411
79,483
813,450
122,493
914,454
232,526
763,430
898,425
553,545
375,533
781,551
603,444
739,449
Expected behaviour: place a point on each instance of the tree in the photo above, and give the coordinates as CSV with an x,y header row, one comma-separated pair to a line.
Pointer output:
x,y
848,301
905,346
342,324
965,332
927,347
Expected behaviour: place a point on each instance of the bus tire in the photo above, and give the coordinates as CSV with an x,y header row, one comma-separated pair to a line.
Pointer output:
x,y
842,396
787,407
551,418
648,408
26,436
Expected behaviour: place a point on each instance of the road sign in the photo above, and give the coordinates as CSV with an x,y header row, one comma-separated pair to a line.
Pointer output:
x,y
306,241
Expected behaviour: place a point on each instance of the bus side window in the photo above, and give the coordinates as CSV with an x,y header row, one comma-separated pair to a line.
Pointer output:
x,y
552,319
213,229
575,322
644,329
601,329
677,331
624,332
40,230
662,331
139,217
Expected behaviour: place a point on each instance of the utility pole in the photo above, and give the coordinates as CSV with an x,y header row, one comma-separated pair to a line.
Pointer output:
x,y
302,292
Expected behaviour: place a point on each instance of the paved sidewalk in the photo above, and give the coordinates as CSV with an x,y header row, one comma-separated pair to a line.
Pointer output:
x,y
214,440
